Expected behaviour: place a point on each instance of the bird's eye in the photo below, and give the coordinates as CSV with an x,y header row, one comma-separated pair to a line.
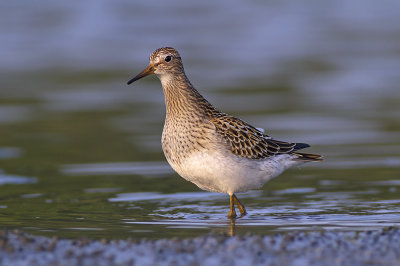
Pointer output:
x,y
167,58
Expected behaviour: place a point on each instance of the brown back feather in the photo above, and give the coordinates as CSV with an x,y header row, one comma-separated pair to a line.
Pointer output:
x,y
247,141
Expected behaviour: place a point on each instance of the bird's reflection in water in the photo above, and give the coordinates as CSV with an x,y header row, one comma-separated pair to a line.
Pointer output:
x,y
232,224
232,227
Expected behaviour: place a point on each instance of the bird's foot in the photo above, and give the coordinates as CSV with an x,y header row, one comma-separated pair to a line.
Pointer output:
x,y
232,214
241,207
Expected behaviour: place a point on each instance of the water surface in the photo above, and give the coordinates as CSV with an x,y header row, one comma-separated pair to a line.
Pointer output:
x,y
80,151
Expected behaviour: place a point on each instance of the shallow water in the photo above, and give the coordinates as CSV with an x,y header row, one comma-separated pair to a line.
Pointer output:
x,y
80,151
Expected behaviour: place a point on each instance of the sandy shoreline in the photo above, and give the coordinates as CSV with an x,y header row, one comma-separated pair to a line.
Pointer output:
x,y
381,247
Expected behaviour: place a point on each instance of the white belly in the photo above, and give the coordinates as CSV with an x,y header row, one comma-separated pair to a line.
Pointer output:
x,y
227,173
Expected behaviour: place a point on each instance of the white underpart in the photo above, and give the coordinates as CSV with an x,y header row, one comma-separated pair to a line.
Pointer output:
x,y
228,173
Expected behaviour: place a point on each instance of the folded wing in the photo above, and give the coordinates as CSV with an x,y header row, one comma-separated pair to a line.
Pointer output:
x,y
247,141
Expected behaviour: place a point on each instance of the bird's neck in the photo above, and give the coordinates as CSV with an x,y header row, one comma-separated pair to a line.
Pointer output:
x,y
181,98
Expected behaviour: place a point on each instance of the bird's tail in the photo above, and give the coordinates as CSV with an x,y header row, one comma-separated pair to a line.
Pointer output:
x,y
308,157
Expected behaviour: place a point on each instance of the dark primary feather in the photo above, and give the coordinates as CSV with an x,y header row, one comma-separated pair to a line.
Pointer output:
x,y
299,146
247,141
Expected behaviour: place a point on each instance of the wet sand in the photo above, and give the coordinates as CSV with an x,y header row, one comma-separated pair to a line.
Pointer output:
x,y
380,247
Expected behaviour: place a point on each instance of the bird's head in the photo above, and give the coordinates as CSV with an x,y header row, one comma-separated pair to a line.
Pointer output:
x,y
163,62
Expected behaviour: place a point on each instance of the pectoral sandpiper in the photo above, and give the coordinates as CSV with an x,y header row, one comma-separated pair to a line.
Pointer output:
x,y
209,148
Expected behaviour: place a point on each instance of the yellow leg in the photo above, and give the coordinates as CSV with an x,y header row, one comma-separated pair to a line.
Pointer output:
x,y
232,212
241,207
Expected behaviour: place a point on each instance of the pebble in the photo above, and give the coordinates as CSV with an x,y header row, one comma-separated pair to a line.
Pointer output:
x,y
380,247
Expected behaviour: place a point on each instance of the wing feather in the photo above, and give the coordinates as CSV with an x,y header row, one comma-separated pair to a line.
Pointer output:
x,y
247,141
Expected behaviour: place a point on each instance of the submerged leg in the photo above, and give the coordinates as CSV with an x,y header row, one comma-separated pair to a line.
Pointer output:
x,y
241,207
232,227
232,212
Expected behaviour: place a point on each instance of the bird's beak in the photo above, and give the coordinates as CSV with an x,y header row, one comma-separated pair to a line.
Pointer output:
x,y
147,71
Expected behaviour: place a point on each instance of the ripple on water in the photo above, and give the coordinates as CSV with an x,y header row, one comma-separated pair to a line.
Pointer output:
x,y
294,191
14,179
189,196
357,163
12,114
132,168
9,152
318,211
384,183
102,190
